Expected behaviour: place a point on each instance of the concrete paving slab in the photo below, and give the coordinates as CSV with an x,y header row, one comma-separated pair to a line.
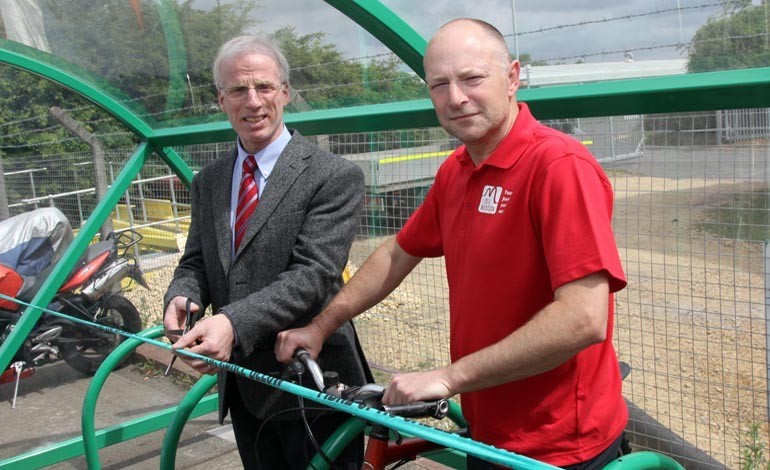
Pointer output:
x,y
48,410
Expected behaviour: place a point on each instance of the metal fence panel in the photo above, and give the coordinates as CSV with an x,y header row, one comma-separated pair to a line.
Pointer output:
x,y
691,220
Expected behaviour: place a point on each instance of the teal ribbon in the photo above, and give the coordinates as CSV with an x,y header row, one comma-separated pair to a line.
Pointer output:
x,y
397,423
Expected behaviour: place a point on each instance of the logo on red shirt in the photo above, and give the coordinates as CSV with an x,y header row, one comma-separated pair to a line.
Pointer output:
x,y
490,198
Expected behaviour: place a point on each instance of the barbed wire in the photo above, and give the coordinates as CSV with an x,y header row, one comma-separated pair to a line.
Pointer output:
x,y
650,48
558,59
66,139
173,110
617,18
344,59
153,114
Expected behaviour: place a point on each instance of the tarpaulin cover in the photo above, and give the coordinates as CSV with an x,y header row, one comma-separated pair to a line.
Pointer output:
x,y
33,241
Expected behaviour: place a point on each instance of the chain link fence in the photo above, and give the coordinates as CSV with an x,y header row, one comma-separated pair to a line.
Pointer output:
x,y
691,222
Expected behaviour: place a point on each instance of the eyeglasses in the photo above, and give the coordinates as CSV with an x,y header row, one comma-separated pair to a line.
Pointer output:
x,y
241,92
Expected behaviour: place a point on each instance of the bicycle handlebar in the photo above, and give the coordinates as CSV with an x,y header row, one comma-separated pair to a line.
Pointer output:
x,y
370,394
435,409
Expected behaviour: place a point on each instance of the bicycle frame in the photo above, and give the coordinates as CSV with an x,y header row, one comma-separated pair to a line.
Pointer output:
x,y
380,450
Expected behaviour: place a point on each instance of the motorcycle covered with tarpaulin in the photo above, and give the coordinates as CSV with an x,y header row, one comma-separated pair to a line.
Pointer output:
x,y
30,245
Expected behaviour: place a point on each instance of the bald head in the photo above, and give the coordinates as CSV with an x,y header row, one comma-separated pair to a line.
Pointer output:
x,y
472,30
472,83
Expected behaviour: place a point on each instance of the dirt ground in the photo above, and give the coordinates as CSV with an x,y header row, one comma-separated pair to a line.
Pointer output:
x,y
691,321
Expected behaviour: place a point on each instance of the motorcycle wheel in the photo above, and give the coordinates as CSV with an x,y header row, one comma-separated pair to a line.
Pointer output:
x,y
116,312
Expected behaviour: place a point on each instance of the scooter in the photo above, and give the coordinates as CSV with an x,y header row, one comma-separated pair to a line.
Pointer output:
x,y
92,292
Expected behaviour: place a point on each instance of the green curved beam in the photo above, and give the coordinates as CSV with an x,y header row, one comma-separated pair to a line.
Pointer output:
x,y
177,55
388,28
78,80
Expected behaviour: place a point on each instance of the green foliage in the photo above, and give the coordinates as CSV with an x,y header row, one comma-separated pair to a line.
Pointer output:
x,y
25,100
737,40
106,38
325,79
130,51
753,454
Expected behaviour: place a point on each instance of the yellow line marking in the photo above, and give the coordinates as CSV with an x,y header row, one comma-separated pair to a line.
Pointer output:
x,y
405,158
587,142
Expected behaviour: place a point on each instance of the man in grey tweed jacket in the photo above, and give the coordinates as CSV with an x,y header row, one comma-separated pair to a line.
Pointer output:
x,y
286,268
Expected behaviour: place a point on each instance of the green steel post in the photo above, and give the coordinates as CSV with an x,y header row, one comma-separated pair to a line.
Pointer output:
x,y
71,448
644,460
176,163
337,442
183,411
59,273
87,419
456,414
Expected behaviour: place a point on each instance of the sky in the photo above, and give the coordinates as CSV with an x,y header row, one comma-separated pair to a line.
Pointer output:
x,y
559,31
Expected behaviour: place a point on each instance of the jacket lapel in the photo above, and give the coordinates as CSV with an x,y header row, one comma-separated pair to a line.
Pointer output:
x,y
221,202
290,165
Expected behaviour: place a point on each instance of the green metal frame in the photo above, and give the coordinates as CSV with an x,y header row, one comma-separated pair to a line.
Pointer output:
x,y
72,254
388,27
177,55
92,440
184,411
643,460
682,93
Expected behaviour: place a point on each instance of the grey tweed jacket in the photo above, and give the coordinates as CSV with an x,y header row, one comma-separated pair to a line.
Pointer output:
x,y
285,271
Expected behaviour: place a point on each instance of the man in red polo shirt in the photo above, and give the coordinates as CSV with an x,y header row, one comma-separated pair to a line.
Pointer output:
x,y
522,214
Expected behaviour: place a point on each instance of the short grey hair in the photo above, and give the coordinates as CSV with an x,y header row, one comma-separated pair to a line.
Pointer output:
x,y
240,45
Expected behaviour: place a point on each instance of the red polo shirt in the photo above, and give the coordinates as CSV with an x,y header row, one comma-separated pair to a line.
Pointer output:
x,y
535,215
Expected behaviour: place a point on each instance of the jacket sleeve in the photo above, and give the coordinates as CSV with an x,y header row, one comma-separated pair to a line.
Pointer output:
x,y
189,278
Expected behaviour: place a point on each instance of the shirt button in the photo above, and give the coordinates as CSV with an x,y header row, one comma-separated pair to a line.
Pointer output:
x,y
467,206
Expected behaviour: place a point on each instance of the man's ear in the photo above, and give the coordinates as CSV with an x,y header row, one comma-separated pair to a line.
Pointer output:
x,y
288,93
221,100
514,70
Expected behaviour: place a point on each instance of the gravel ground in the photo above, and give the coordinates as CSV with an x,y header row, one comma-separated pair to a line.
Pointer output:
x,y
691,322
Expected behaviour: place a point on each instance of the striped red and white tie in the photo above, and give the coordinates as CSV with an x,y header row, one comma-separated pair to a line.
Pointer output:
x,y
248,198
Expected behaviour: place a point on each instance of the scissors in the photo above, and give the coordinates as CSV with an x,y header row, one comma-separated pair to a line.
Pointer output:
x,y
190,319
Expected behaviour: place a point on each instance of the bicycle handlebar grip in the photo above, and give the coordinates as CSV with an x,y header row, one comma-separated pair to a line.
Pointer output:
x,y
435,409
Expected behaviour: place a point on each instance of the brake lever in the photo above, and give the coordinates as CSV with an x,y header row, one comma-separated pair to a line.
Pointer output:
x,y
307,362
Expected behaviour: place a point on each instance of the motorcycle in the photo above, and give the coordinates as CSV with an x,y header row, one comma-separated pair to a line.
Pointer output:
x,y
92,292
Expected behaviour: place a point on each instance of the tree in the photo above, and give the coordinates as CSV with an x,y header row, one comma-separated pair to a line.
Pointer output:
x,y
127,49
737,39
326,79
106,39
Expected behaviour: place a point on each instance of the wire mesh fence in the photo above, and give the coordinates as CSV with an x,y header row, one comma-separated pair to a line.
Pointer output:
x,y
691,222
